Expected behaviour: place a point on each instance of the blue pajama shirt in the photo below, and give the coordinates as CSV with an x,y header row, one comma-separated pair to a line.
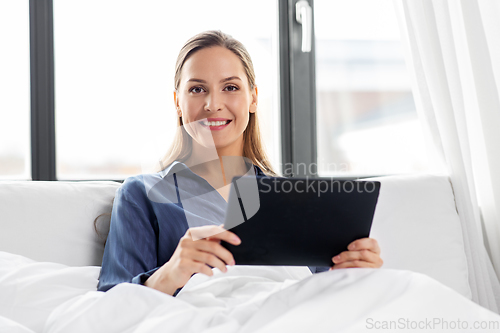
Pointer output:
x,y
151,213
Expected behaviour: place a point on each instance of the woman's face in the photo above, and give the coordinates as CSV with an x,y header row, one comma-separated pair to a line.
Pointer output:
x,y
215,100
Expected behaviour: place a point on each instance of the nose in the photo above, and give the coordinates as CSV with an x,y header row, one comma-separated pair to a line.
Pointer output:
x,y
214,102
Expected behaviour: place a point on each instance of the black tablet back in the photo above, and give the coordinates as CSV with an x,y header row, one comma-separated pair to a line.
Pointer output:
x,y
298,221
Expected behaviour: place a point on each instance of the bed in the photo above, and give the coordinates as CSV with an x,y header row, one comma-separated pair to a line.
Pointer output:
x,y
50,258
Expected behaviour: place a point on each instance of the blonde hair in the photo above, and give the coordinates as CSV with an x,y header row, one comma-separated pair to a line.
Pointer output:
x,y
253,149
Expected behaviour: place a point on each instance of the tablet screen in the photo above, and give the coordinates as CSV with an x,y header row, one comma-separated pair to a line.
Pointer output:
x,y
298,221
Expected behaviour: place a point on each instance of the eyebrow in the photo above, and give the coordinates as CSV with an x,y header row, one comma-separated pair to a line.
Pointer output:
x,y
230,78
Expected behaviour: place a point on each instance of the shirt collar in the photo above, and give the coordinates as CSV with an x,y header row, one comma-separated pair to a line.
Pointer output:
x,y
174,167
177,166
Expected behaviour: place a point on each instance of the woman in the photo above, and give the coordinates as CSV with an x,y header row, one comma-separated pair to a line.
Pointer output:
x,y
165,227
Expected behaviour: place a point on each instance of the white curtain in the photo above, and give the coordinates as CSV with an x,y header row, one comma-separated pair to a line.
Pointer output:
x,y
453,53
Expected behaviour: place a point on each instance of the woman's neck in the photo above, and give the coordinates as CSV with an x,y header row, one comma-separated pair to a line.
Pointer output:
x,y
217,166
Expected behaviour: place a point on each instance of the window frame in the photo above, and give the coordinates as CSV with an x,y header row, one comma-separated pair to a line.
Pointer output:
x,y
43,145
297,70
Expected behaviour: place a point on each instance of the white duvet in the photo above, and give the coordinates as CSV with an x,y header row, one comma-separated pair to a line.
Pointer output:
x,y
48,297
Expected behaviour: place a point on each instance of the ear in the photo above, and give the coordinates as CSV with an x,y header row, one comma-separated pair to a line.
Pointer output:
x,y
253,105
176,102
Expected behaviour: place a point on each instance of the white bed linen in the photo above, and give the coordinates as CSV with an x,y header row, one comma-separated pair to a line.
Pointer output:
x,y
47,297
30,290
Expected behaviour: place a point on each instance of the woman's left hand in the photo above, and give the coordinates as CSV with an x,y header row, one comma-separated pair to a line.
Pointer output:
x,y
363,252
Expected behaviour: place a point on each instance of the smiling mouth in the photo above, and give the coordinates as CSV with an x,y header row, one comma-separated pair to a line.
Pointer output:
x,y
215,123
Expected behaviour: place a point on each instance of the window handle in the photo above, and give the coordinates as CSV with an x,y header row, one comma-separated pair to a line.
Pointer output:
x,y
303,15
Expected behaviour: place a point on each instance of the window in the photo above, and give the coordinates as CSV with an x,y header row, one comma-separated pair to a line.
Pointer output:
x,y
105,109
366,117
14,91
114,70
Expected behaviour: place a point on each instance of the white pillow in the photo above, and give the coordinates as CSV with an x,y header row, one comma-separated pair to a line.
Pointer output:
x,y
418,229
54,221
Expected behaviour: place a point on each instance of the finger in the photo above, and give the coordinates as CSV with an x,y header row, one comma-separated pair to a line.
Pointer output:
x,y
354,264
227,236
208,259
215,239
213,232
187,267
363,255
198,267
215,249
365,244
197,233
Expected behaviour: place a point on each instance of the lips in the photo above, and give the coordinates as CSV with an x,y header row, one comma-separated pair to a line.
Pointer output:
x,y
216,123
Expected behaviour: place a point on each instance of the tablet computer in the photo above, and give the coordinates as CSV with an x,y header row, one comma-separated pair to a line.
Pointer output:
x,y
297,221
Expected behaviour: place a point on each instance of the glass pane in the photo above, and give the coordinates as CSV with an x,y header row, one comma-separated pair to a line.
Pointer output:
x,y
114,64
366,116
14,91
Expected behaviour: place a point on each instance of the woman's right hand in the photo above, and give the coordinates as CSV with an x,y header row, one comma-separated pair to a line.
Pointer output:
x,y
193,255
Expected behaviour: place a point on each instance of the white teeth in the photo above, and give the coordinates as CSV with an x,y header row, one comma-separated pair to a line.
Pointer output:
x,y
214,123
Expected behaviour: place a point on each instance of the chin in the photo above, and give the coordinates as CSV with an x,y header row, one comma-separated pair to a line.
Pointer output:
x,y
221,145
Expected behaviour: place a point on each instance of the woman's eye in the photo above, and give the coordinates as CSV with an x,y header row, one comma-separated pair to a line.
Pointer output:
x,y
231,88
196,90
